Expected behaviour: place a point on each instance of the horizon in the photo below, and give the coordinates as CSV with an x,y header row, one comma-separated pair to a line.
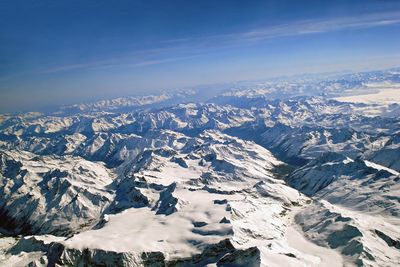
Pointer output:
x,y
275,79
63,53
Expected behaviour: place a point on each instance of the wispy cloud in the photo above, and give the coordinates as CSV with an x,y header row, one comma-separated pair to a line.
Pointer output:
x,y
297,28
195,46
115,63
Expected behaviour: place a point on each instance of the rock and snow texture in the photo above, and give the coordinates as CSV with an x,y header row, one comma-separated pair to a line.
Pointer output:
x,y
361,185
259,175
355,208
51,195
182,201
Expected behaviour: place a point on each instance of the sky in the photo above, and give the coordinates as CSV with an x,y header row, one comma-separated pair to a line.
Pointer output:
x,y
63,52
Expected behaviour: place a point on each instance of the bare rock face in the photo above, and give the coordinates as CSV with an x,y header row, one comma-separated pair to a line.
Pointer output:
x,y
168,203
247,257
45,252
127,195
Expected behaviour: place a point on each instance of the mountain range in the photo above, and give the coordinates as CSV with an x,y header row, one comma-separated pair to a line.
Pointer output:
x,y
261,173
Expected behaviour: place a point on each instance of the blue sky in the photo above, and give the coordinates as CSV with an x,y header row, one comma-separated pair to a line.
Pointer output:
x,y
61,52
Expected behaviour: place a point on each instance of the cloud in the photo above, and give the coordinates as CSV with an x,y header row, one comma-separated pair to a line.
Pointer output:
x,y
302,27
115,63
193,47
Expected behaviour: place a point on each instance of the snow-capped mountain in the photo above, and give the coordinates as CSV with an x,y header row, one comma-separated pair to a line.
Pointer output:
x,y
275,173
58,195
355,207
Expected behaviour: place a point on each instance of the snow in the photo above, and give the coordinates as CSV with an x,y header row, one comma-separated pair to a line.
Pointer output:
x,y
141,230
383,93
380,167
313,254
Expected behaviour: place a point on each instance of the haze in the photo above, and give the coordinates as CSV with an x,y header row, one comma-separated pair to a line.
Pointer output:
x,y
62,52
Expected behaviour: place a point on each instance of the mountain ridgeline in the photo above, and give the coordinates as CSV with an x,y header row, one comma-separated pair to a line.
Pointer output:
x,y
258,174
